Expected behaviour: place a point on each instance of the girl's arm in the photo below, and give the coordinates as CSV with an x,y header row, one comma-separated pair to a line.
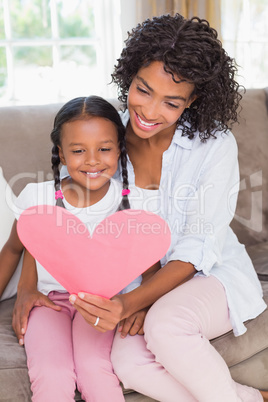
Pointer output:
x,y
9,257
111,312
28,297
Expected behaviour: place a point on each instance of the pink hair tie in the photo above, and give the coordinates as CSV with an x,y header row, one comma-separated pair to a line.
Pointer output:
x,y
126,191
58,194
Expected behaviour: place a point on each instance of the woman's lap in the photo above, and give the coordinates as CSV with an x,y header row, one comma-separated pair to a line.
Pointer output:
x,y
176,349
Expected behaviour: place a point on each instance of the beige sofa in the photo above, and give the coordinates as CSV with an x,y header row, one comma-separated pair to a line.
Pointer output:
x,y
25,156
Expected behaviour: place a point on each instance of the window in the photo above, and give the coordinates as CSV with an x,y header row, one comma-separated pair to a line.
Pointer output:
x,y
54,50
245,37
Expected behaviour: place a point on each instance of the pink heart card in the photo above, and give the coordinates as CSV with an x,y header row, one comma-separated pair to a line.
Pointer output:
x,y
122,247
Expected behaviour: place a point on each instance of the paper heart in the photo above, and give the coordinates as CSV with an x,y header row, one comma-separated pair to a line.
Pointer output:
x,y
123,246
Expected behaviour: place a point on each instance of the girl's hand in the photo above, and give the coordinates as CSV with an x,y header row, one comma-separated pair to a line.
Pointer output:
x,y
133,324
109,311
26,300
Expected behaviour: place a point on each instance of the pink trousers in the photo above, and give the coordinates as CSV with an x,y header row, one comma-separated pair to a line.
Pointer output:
x,y
64,351
174,361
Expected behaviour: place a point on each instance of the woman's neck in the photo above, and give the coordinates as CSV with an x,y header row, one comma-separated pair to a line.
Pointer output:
x,y
146,157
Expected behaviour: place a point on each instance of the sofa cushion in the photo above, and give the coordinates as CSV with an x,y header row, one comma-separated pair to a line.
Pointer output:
x,y
13,369
247,355
236,349
29,127
259,255
251,218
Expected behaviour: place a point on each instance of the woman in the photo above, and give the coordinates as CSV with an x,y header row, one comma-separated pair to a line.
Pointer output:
x,y
180,94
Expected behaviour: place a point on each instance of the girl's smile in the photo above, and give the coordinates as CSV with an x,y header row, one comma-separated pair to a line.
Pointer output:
x,y
92,174
90,150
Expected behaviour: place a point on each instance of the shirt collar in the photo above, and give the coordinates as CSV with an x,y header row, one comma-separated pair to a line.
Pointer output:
x,y
182,141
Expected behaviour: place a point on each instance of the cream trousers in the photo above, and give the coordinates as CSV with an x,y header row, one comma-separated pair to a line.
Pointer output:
x,y
174,361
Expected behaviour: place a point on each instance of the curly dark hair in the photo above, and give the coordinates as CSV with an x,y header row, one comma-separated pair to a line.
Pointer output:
x,y
189,49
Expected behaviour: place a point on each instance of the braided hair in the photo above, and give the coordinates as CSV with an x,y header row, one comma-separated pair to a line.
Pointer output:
x,y
82,108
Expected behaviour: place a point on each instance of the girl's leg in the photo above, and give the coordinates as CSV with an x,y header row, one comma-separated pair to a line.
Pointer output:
x,y
177,329
48,344
95,377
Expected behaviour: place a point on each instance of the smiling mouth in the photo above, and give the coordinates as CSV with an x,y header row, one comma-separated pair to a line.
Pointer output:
x,y
93,174
144,123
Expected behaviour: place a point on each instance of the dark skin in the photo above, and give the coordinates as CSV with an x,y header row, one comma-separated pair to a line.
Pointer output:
x,y
146,158
159,102
264,395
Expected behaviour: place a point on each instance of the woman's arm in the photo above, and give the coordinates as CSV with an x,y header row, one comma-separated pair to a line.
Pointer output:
x,y
28,297
9,257
150,272
111,312
134,323
167,278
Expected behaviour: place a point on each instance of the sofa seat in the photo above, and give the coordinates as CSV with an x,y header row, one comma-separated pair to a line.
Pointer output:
x,y
13,372
247,355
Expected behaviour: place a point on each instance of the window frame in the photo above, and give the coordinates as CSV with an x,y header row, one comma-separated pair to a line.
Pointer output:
x,y
107,43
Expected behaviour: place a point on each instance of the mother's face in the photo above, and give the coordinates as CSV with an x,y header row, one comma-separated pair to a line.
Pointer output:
x,y
155,101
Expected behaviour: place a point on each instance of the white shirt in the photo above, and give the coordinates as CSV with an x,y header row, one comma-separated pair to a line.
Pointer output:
x,y
44,194
197,196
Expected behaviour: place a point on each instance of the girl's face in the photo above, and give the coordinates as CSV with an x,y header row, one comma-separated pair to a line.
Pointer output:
x,y
155,101
89,149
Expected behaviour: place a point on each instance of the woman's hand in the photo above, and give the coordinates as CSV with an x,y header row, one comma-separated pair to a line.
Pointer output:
x,y
26,300
133,324
128,306
109,311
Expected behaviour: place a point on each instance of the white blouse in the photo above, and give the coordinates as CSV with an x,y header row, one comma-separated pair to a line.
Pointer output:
x,y
197,197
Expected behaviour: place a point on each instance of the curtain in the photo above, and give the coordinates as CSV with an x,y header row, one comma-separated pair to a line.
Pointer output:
x,y
208,9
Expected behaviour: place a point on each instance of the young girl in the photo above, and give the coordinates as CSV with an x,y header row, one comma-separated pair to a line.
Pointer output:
x,y
62,349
